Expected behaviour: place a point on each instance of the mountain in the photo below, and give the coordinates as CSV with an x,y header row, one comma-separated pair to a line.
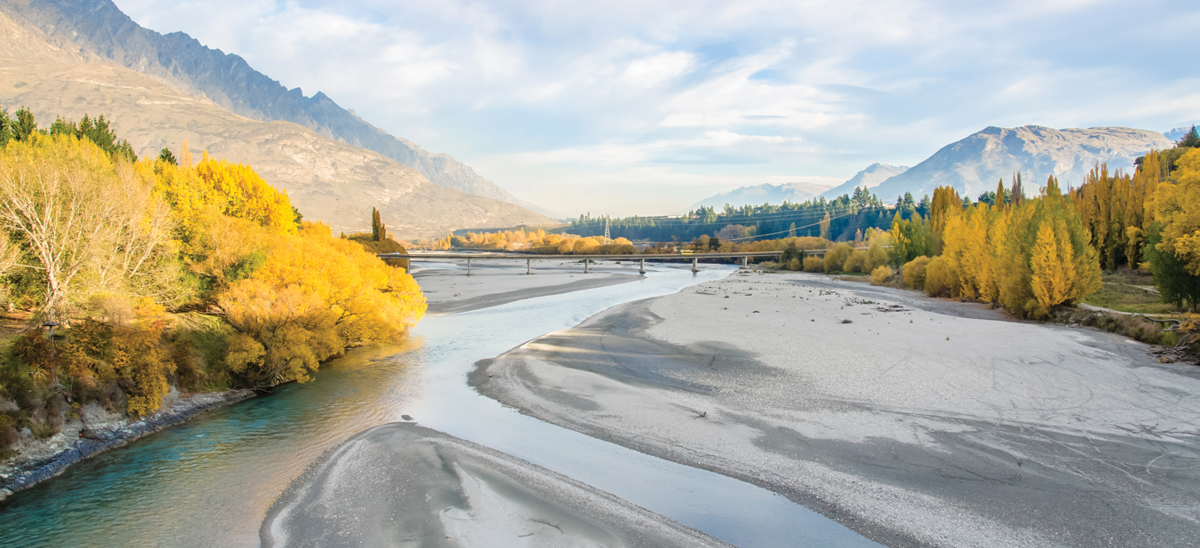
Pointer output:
x,y
763,194
326,179
870,178
975,164
101,29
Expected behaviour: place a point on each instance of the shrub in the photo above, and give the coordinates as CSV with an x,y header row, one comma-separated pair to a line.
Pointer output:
x,y
914,272
881,275
794,264
814,264
941,278
835,259
856,262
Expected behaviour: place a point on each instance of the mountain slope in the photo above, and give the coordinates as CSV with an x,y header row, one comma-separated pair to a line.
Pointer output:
x,y
100,28
975,164
870,178
326,179
763,194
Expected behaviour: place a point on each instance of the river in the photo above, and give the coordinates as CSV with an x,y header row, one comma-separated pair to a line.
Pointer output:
x,y
210,481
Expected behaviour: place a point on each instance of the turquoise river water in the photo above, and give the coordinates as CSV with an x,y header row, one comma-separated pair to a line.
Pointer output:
x,y
209,482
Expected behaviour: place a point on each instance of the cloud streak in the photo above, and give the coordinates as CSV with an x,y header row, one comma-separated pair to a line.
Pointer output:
x,y
646,106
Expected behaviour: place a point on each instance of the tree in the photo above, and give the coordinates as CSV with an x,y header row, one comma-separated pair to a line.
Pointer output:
x,y
1171,278
946,205
910,239
58,194
1053,266
165,155
315,296
24,126
378,230
1189,140
1177,206
824,224
6,128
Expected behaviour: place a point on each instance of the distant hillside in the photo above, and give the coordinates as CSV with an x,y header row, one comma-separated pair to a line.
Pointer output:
x,y
100,28
763,194
975,164
869,178
326,179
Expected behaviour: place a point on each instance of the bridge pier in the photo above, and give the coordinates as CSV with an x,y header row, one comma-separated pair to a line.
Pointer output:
x,y
529,266
745,261
468,267
587,263
642,268
695,265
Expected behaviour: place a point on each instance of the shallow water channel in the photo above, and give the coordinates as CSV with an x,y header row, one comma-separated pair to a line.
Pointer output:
x,y
209,482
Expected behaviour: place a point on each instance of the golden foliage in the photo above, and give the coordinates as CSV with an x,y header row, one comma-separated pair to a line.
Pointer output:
x,y
945,207
89,226
881,275
942,278
314,296
1177,207
914,272
1028,257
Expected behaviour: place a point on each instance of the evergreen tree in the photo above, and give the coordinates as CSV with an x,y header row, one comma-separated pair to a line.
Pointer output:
x,y
24,125
1190,140
165,155
6,128
378,230
1171,278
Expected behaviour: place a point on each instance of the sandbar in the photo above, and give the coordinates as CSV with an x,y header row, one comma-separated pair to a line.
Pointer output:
x,y
450,290
914,421
406,485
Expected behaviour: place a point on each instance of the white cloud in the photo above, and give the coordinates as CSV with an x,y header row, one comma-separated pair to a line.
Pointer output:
x,y
563,102
658,69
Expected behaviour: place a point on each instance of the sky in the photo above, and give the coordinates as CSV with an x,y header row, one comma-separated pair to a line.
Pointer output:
x,y
646,106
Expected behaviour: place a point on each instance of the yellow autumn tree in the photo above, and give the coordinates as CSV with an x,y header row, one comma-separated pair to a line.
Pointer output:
x,y
1177,206
314,296
1053,267
945,206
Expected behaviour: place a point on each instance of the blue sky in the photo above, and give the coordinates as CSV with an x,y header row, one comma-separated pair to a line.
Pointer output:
x,y
645,107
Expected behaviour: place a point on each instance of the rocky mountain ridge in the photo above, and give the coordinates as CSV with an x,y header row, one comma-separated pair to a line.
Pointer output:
x,y
326,179
98,29
978,162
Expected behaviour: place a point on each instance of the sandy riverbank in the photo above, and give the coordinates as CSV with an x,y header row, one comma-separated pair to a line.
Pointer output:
x,y
913,421
450,290
402,484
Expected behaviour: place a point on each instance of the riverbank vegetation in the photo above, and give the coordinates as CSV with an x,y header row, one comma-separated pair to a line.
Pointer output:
x,y
1035,257
837,219
165,274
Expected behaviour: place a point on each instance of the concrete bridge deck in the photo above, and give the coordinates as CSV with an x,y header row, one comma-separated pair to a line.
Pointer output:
x,y
588,259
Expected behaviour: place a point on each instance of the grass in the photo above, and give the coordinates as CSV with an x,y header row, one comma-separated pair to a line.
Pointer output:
x,y
1125,291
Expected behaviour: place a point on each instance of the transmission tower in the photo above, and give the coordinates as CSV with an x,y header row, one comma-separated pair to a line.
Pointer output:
x,y
607,240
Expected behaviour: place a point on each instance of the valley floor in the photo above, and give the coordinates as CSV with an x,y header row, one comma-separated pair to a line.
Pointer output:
x,y
915,421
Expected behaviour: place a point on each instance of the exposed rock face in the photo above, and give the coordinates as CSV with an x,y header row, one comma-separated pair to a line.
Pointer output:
x,y
974,165
327,180
763,194
99,29
869,178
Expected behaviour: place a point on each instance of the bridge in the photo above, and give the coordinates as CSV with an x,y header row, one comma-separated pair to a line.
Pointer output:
x,y
588,259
